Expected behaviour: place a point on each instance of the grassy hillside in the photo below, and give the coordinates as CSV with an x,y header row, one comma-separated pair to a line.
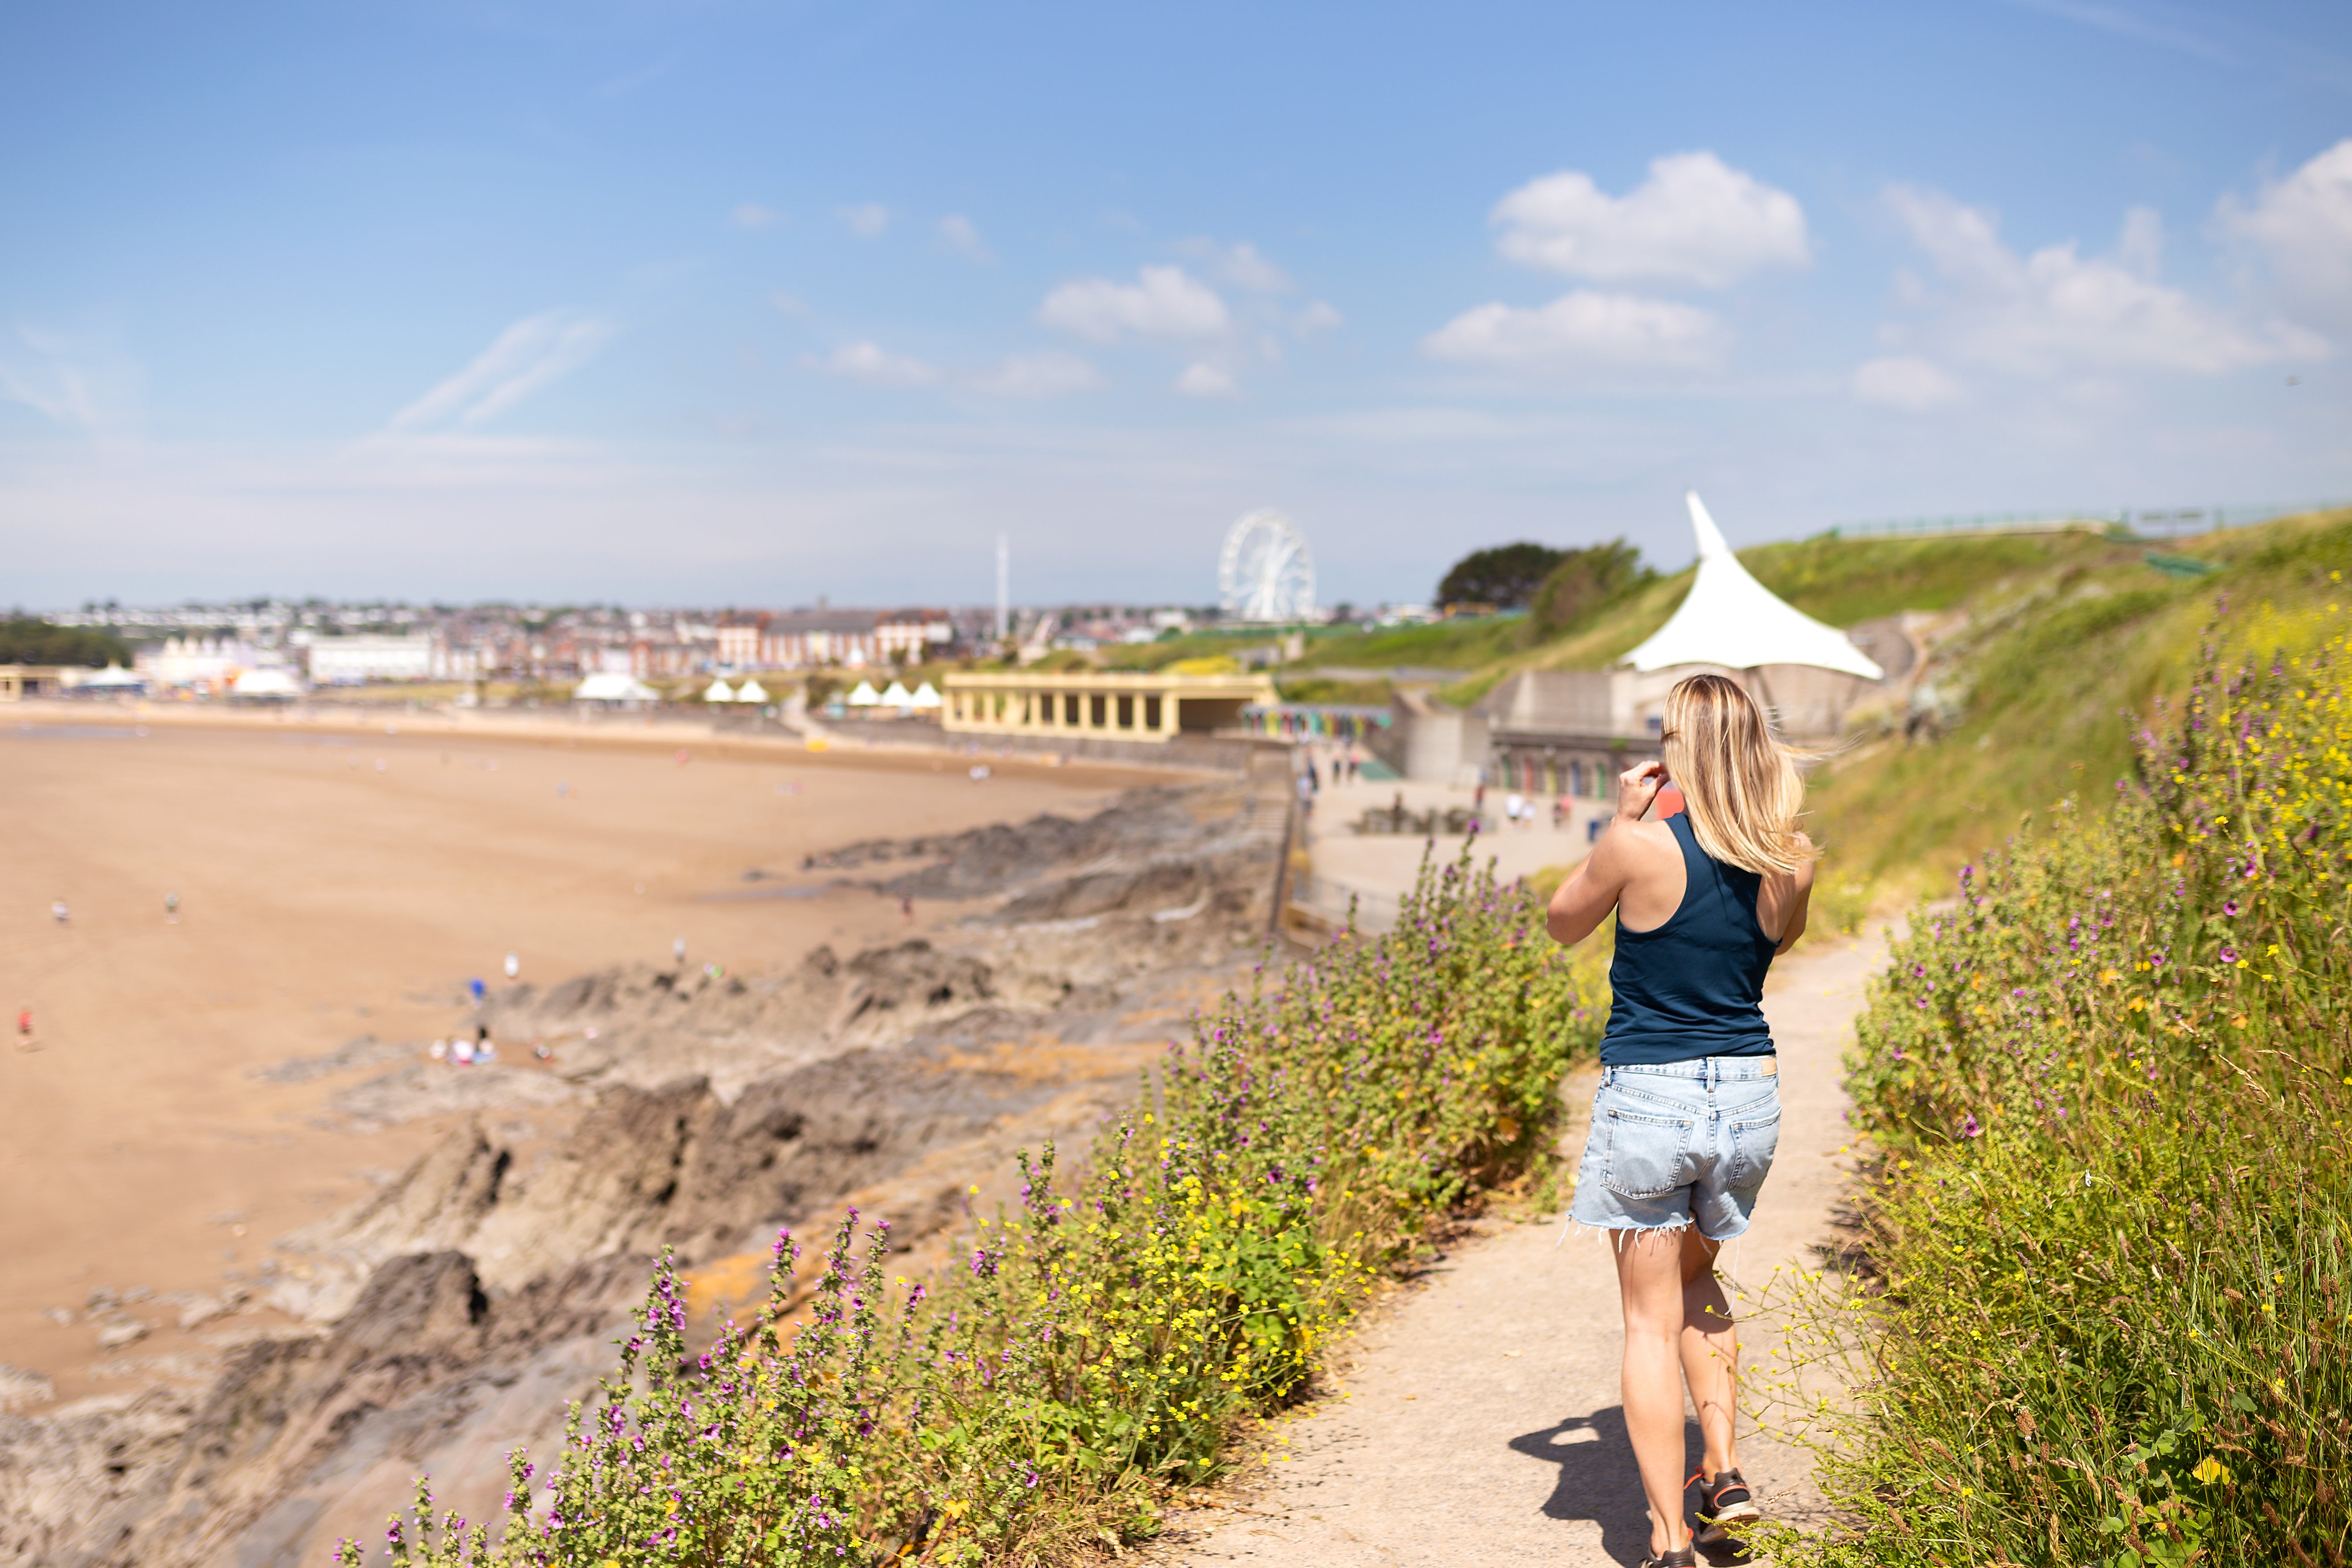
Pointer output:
x,y
1841,581
2047,666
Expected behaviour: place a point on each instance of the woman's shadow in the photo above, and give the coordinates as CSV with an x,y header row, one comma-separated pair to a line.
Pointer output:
x,y
1598,1480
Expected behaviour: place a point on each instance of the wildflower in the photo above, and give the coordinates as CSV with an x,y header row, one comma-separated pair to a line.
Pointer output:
x,y
1969,1128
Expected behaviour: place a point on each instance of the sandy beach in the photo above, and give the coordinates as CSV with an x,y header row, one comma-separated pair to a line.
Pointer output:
x,y
338,885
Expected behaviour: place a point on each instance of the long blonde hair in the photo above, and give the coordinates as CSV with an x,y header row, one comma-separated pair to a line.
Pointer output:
x,y
1740,783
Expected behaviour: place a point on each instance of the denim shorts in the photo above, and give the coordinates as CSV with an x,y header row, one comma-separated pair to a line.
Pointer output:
x,y
1680,1143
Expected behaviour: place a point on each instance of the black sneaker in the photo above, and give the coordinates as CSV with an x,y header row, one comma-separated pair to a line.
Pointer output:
x,y
1724,1503
1687,1557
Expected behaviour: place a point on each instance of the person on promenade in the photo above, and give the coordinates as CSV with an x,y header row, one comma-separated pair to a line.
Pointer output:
x,y
1689,1111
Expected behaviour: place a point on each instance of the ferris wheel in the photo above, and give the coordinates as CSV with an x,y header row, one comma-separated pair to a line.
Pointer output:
x,y
1265,572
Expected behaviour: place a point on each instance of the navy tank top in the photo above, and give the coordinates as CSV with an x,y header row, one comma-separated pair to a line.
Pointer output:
x,y
1694,986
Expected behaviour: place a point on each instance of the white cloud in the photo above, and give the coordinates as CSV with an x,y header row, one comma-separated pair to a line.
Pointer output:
x,y
2056,310
81,381
529,354
869,365
1164,302
790,304
2303,226
1318,317
1204,380
1583,329
959,235
1695,220
1239,264
1052,373
1907,382
751,215
868,221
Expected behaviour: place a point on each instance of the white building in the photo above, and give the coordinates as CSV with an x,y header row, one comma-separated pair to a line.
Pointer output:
x,y
351,660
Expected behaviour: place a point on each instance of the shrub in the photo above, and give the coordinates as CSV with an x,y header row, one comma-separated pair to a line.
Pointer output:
x,y
2107,1306
1102,1343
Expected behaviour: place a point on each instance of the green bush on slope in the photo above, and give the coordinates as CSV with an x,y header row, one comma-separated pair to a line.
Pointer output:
x,y
2109,1312
1105,1342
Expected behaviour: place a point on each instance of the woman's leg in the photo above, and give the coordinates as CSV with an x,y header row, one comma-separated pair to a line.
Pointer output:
x,y
1652,1284
1710,1353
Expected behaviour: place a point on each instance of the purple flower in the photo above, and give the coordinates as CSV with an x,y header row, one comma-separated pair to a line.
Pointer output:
x,y
1969,1128
2228,955
2229,905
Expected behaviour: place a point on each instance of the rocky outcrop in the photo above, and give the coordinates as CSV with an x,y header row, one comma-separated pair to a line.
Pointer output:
x,y
462,1305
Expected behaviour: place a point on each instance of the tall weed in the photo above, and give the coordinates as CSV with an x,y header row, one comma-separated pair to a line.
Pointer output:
x,y
2105,1313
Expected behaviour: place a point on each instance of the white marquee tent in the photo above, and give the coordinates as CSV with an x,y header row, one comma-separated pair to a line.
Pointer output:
x,y
1732,620
751,690
926,695
614,687
719,691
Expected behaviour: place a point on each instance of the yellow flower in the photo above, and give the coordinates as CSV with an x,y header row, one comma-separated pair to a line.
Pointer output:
x,y
2210,1469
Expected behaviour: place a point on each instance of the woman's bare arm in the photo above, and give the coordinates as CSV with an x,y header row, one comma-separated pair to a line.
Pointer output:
x,y
1801,903
1593,889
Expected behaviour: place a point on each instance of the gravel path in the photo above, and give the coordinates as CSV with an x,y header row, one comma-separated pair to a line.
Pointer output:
x,y
1476,1418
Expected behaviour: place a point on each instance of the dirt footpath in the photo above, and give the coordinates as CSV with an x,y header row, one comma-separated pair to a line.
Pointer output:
x,y
1478,1418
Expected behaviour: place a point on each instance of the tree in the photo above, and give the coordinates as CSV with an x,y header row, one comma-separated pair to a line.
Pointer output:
x,y
25,640
1583,582
1505,575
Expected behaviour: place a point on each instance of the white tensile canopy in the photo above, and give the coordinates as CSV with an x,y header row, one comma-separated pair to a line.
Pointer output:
x,y
865,696
1732,620
614,686
897,696
719,692
752,691
113,678
926,695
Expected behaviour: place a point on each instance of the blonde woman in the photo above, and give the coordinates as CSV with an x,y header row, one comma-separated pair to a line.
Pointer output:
x,y
1689,1108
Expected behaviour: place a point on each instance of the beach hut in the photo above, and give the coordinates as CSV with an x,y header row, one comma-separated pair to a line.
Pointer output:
x,y
865,696
926,695
752,691
899,697
612,689
719,691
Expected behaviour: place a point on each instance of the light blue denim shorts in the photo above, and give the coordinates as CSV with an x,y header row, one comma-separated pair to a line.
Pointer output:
x,y
1680,1143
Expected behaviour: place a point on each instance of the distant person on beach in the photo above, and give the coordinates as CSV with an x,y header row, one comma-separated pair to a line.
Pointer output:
x,y
1688,1113
24,1028
476,988
59,913
678,951
907,908
514,965
171,909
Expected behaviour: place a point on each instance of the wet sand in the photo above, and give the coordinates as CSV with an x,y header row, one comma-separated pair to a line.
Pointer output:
x,y
340,885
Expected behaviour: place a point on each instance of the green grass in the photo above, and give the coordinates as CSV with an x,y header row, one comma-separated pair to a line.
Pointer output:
x,y
2047,667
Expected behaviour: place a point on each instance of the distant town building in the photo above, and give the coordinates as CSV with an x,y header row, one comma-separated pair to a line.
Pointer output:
x,y
354,660
810,639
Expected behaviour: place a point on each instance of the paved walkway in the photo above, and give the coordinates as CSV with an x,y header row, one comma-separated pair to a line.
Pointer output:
x,y
1478,1418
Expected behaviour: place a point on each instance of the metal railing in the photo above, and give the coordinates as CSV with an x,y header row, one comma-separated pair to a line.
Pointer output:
x,y
2139,523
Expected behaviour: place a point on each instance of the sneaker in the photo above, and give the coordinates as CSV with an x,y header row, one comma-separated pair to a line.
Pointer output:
x,y
1724,1503
1687,1557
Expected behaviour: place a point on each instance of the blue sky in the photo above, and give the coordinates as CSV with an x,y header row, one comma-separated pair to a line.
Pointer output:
x,y
733,302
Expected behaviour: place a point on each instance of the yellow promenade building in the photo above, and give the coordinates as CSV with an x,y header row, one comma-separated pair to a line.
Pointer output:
x,y
1099,705
18,681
